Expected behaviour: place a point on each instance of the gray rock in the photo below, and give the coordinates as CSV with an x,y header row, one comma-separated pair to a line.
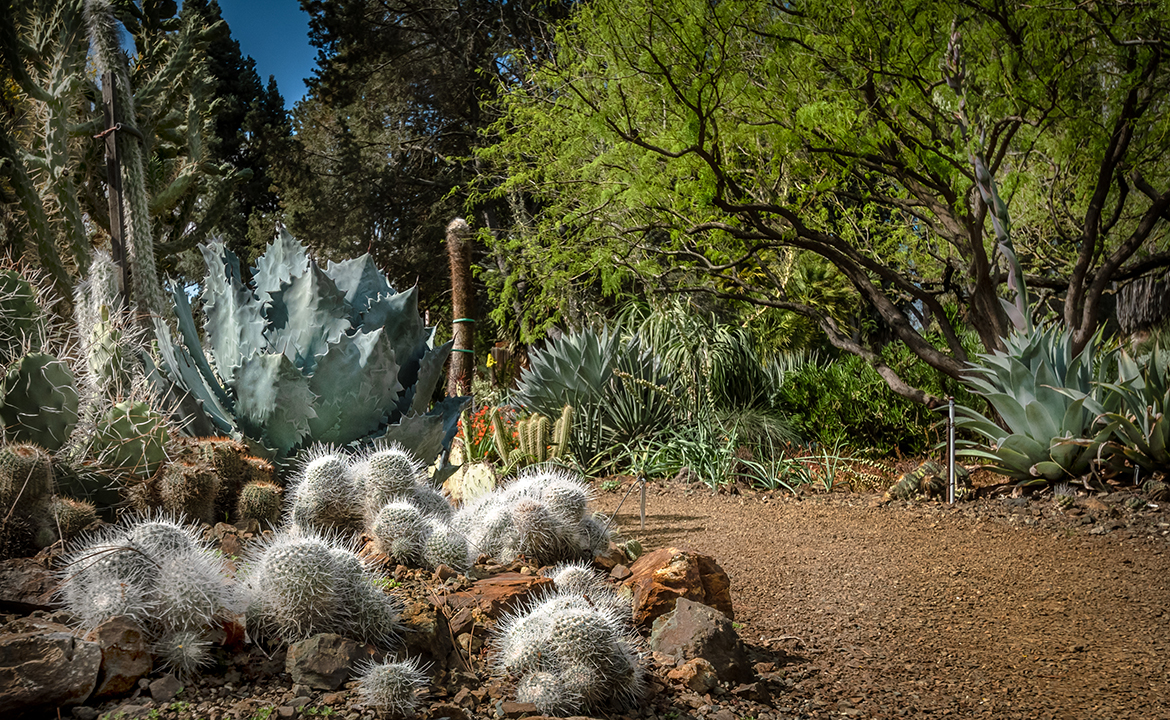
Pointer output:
x,y
46,670
322,662
694,630
125,656
165,688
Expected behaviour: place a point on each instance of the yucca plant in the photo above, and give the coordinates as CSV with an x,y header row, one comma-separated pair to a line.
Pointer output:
x,y
304,354
1049,401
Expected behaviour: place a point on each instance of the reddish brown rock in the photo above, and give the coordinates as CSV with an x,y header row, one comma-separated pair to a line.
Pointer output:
x,y
697,674
661,577
125,656
322,662
495,595
42,671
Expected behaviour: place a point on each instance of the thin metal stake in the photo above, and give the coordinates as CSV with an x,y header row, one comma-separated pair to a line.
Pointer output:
x,y
951,450
642,480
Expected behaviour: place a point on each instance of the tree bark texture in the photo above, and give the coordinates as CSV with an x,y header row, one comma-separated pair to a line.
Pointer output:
x,y
461,369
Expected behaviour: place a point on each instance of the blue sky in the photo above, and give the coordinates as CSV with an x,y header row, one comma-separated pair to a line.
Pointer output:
x,y
276,34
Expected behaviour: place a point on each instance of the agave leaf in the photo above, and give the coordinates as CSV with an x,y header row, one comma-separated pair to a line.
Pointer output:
x,y
420,434
361,282
1011,411
1048,470
1158,432
317,317
283,260
274,397
430,370
1041,423
190,335
398,315
234,324
356,383
179,365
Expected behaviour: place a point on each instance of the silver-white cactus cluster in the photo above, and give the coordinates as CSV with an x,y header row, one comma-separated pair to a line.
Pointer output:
x,y
574,650
542,515
160,573
384,492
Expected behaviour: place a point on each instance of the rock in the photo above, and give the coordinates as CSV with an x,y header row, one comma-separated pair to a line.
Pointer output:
x,y
25,585
661,577
165,688
620,572
722,714
46,670
81,712
125,656
322,661
447,710
426,634
444,573
610,558
497,594
508,709
697,674
694,630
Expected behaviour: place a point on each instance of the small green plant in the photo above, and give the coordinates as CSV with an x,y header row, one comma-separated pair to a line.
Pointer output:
x,y
264,713
610,485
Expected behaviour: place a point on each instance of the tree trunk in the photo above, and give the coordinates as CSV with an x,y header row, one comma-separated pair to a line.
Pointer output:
x,y
462,366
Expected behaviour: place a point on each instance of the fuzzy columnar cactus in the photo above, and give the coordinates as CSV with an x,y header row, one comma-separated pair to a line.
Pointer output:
x,y
542,515
157,571
189,490
297,585
570,654
183,652
445,545
324,497
392,687
386,474
399,530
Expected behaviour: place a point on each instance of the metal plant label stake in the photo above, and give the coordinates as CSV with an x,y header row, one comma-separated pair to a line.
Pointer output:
x,y
951,450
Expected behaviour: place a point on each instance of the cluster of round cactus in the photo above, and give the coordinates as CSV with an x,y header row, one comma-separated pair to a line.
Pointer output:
x,y
31,516
391,687
574,650
297,584
383,492
157,571
542,515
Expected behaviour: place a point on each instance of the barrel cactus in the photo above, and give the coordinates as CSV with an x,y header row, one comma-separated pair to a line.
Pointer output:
x,y
189,490
305,354
27,521
323,496
39,401
260,501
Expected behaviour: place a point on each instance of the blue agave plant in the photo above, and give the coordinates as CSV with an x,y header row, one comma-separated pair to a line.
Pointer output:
x,y
303,354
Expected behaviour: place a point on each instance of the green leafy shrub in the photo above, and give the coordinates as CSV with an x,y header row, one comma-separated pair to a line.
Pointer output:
x,y
845,400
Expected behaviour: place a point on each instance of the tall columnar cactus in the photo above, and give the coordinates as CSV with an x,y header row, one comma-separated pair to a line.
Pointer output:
x,y
39,401
307,354
296,586
570,654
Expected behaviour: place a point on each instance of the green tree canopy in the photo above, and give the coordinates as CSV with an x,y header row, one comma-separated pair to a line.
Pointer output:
x,y
700,146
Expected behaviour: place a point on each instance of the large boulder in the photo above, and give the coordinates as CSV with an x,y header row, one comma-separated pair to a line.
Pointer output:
x,y
125,656
41,670
693,630
322,662
25,585
659,578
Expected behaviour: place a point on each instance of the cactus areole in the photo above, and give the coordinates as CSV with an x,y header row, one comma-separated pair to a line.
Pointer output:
x,y
303,354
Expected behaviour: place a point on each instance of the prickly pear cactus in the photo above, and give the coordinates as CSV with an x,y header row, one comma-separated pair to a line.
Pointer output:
x,y
20,316
38,401
133,437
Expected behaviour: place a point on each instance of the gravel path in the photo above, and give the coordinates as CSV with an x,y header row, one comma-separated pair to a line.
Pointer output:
x,y
1001,608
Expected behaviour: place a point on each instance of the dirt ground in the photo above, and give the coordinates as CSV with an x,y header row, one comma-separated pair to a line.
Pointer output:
x,y
1001,607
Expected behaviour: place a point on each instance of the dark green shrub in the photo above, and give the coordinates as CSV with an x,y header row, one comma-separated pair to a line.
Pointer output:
x,y
845,400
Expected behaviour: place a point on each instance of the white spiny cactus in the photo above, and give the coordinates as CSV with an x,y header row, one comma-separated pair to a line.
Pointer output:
x,y
392,687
